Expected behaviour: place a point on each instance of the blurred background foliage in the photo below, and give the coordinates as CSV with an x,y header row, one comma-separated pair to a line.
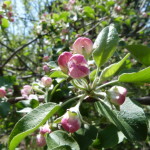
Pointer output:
x,y
47,28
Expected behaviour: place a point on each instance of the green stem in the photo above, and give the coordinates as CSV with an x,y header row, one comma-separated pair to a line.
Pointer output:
x,y
95,80
106,84
70,100
55,88
80,101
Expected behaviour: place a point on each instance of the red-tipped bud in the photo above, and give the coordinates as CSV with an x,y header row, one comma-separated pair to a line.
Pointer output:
x,y
40,140
117,95
78,67
46,68
45,129
9,14
83,46
1,16
63,61
2,93
46,81
71,121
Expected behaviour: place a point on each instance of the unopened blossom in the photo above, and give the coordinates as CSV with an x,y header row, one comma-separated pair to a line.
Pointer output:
x,y
46,81
117,95
71,121
63,61
2,93
40,140
83,46
46,68
45,129
78,67
117,8
27,89
46,58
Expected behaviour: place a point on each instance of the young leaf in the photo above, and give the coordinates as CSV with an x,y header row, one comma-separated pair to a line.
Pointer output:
x,y
60,138
112,69
105,45
30,122
130,119
58,74
141,53
142,76
5,23
109,141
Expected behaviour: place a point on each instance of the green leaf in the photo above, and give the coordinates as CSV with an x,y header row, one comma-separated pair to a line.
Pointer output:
x,y
142,76
7,80
5,23
61,138
85,136
112,69
30,122
130,119
62,147
4,109
105,45
7,3
92,75
141,53
109,141
58,74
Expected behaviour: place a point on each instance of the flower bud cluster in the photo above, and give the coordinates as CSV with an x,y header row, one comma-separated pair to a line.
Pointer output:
x,y
75,65
7,12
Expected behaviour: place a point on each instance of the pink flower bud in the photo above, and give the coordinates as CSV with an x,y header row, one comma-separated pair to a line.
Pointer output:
x,y
45,129
40,140
26,90
46,58
63,61
83,46
46,68
71,121
46,81
78,67
2,93
117,8
117,95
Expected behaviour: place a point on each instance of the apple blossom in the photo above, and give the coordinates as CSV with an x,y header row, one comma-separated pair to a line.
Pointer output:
x,y
78,67
63,61
83,46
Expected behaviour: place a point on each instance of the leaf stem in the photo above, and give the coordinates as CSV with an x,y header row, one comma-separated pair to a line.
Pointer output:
x,y
54,89
108,83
